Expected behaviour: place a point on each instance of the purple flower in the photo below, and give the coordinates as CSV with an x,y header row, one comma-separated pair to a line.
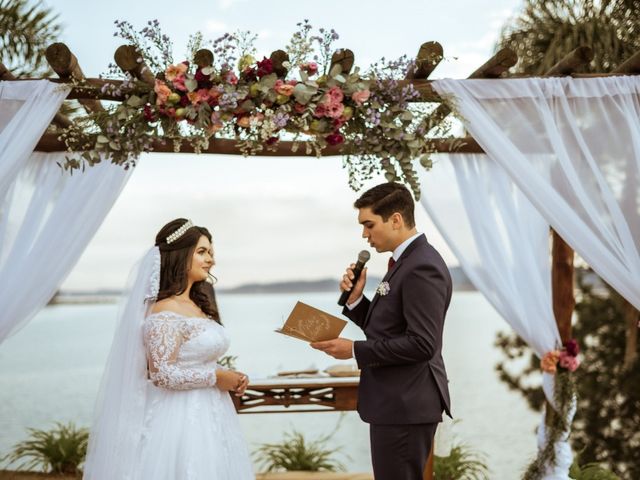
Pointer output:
x,y
280,119
228,101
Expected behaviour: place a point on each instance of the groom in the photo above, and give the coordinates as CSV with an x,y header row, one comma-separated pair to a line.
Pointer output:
x,y
403,383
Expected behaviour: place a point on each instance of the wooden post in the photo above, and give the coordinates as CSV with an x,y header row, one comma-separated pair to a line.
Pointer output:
x,y
563,296
562,285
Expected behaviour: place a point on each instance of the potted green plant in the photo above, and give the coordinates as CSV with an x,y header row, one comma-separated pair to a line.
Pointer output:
x,y
61,450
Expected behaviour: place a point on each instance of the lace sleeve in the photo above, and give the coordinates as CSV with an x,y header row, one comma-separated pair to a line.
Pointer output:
x,y
163,340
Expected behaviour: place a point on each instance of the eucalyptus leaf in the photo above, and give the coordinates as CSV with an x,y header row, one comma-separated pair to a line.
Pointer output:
x,y
335,70
134,101
269,81
191,84
207,70
302,94
102,139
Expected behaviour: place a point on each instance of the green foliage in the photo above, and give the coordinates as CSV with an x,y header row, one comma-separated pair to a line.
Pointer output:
x,y
295,453
461,464
591,471
59,450
546,30
228,361
564,393
26,30
605,429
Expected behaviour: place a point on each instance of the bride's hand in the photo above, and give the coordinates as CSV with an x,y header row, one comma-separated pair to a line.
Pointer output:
x,y
229,380
242,385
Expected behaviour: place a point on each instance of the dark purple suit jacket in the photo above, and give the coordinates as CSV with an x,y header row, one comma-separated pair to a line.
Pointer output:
x,y
403,379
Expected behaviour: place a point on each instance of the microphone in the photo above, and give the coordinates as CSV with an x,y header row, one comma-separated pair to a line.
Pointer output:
x,y
363,257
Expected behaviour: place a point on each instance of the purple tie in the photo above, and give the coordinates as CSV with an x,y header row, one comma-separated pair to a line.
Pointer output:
x,y
392,262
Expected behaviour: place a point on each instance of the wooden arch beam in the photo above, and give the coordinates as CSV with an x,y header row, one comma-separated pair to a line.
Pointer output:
x,y
429,56
130,61
631,66
66,66
502,61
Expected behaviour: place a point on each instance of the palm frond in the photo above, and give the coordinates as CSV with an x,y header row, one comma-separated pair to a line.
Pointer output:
x,y
26,29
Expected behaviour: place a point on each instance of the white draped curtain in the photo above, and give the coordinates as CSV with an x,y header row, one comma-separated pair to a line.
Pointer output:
x,y
573,147
26,109
47,216
561,152
47,219
502,243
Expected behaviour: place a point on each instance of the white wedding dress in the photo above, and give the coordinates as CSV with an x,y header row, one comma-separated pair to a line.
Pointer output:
x,y
191,429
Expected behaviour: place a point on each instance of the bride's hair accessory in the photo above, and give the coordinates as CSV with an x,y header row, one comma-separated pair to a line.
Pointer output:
x,y
179,232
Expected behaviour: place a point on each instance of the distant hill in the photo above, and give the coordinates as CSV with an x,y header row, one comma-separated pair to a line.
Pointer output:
x,y
460,282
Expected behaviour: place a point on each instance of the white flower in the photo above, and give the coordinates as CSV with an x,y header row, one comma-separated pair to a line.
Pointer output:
x,y
383,289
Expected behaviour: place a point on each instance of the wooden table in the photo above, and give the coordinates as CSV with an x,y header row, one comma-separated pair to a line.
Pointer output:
x,y
278,395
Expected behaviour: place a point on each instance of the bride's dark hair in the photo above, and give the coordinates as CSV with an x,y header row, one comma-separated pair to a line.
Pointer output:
x,y
175,262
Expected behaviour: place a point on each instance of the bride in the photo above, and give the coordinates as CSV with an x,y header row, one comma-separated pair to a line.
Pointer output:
x,y
164,410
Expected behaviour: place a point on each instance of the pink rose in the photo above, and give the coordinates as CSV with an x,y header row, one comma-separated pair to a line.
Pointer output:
x,y
299,108
201,96
178,83
334,110
568,361
335,94
320,111
360,96
310,67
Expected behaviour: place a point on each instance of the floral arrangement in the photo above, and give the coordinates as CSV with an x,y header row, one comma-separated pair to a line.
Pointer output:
x,y
565,358
300,97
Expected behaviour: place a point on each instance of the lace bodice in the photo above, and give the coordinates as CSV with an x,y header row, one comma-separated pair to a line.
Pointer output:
x,y
183,351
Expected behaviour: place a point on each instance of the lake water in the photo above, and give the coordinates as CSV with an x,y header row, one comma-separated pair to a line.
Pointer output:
x,y
50,371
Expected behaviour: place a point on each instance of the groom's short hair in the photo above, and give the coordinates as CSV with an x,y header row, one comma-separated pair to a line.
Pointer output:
x,y
386,199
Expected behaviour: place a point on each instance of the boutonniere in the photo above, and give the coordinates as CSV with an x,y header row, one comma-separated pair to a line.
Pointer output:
x,y
383,289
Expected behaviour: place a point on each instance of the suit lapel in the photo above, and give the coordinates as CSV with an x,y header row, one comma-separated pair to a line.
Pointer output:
x,y
387,278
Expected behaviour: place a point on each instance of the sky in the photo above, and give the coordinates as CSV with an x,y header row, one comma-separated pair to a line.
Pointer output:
x,y
272,219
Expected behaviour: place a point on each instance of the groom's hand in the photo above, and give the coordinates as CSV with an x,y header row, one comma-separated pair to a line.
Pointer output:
x,y
347,283
339,348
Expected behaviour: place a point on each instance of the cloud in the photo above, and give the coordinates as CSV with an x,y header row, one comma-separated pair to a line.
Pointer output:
x,y
462,58
227,4
216,26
